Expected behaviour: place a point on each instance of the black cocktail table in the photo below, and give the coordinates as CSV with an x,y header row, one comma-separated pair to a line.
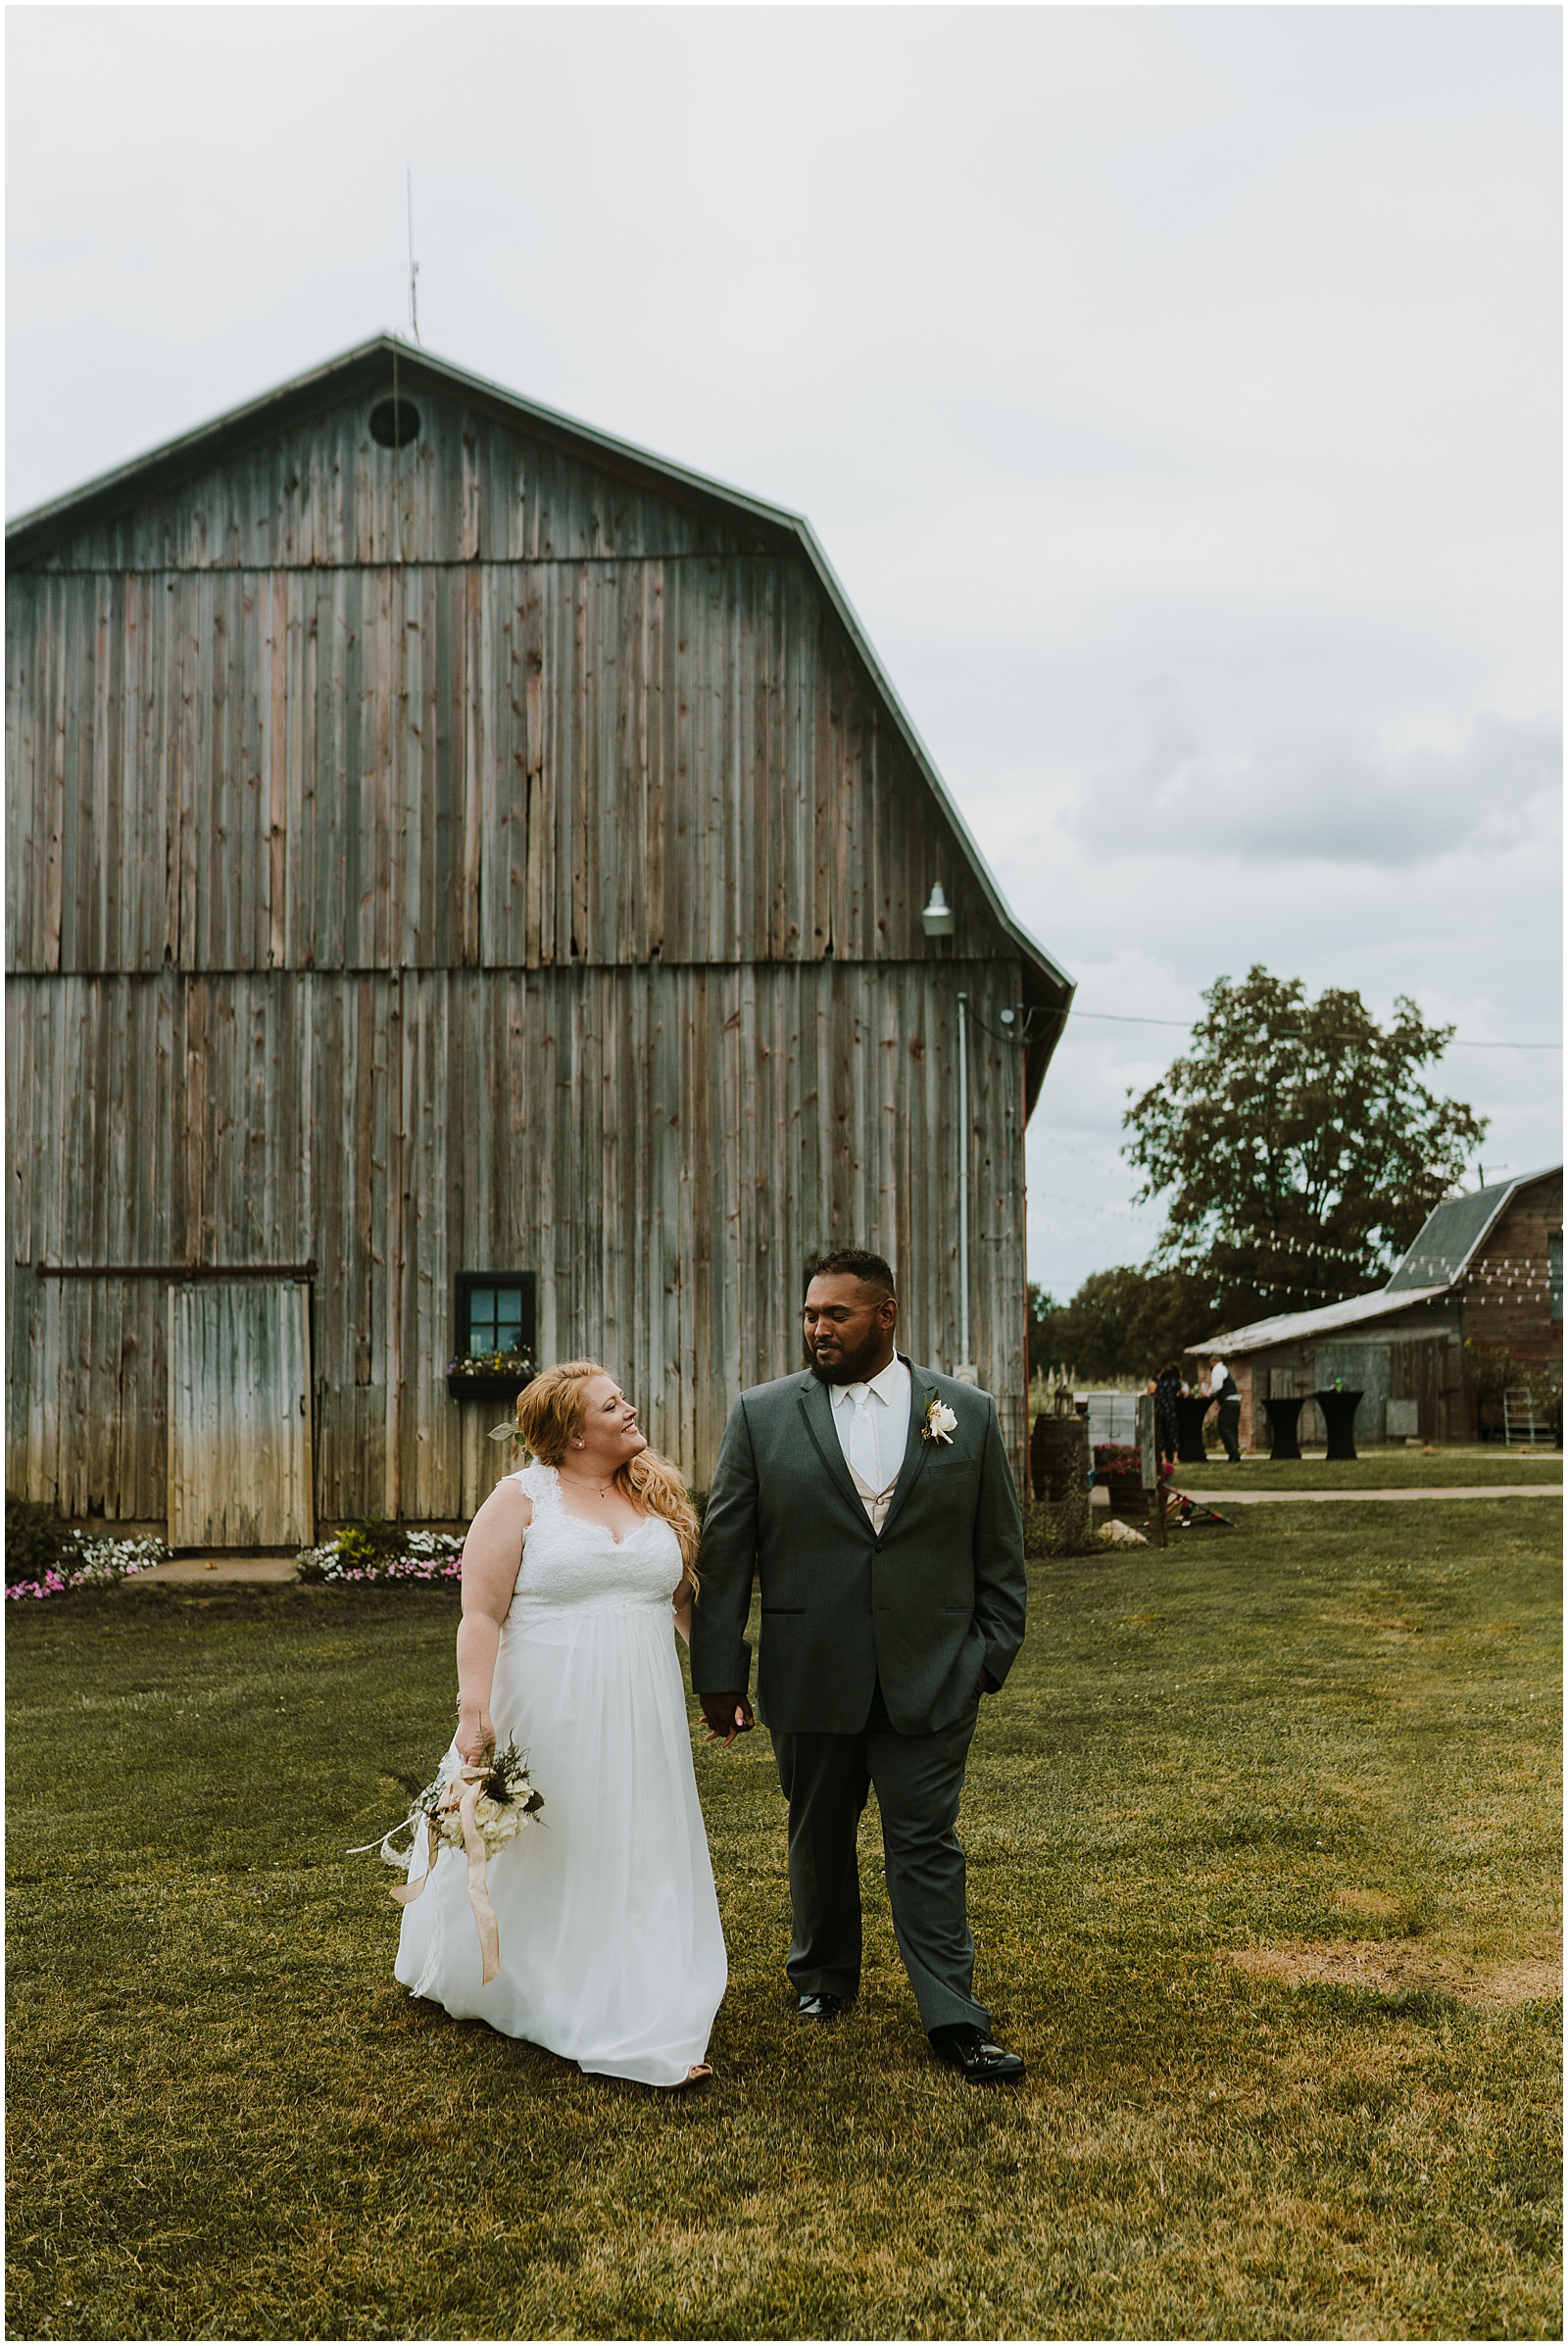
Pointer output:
x,y
1284,1418
1191,1411
1339,1421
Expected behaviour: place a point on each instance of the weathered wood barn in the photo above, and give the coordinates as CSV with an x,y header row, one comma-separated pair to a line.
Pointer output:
x,y
1485,1270
466,879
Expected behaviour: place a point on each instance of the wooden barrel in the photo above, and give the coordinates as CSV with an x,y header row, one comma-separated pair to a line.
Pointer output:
x,y
1058,1457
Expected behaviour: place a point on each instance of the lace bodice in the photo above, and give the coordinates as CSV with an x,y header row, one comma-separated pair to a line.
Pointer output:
x,y
569,1562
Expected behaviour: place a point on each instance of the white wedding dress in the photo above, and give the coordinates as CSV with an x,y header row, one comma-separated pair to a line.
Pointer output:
x,y
611,1952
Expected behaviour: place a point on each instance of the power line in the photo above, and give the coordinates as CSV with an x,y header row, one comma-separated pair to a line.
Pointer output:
x,y
1300,1034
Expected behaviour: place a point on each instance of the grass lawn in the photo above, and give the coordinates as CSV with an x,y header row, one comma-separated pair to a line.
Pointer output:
x,y
1264,1877
1376,1470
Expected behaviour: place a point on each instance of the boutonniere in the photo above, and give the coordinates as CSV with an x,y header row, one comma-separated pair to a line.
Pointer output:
x,y
940,1421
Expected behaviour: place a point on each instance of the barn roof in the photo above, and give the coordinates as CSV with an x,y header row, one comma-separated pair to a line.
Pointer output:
x,y
368,368
1291,1327
1454,1230
1431,1267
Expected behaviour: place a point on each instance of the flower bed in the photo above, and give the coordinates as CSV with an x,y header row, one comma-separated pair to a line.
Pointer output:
x,y
378,1552
51,1560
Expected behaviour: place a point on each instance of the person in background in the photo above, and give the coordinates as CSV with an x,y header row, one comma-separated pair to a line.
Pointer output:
x,y
1167,1428
1222,1388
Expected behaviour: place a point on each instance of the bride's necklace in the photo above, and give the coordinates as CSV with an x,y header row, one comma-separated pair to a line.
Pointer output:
x,y
599,1490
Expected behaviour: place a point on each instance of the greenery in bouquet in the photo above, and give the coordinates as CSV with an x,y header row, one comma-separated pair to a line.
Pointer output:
x,y
45,1557
381,1552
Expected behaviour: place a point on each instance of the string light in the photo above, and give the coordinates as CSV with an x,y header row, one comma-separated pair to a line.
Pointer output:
x,y
1286,1034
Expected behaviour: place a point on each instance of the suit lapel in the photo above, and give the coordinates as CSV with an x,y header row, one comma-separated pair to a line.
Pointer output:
x,y
916,1447
817,1410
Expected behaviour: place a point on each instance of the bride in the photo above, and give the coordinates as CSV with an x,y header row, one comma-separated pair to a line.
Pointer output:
x,y
611,1952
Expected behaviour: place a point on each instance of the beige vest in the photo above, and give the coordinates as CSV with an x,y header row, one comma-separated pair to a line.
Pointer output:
x,y
876,1502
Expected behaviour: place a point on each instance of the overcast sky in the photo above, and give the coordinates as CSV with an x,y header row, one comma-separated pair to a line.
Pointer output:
x,y
1176,392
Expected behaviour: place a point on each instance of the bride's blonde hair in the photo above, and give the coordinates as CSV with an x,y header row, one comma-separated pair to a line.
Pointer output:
x,y
550,1412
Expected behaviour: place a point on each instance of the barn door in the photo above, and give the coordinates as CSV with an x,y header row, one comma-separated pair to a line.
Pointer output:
x,y
240,1415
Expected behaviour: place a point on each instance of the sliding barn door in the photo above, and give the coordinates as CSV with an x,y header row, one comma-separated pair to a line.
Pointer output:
x,y
240,1415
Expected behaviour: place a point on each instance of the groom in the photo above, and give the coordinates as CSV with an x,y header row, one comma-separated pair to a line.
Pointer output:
x,y
872,1500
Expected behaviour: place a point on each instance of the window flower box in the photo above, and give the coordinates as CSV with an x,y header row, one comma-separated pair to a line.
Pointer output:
x,y
489,1376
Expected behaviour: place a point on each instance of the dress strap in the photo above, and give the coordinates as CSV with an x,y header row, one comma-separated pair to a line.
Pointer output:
x,y
540,1483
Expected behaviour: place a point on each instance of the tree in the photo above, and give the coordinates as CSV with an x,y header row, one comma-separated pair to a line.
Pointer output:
x,y
1297,1145
1121,1323
1046,1356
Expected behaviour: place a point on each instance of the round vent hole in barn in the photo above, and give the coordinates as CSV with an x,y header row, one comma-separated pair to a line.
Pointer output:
x,y
394,422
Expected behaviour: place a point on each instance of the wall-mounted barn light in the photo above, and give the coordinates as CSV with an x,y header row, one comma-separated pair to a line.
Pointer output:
x,y
937,919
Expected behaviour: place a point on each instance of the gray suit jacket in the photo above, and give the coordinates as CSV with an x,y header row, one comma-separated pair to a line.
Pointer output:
x,y
939,1594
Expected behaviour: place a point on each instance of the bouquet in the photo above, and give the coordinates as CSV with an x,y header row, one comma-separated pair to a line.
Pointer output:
x,y
477,1808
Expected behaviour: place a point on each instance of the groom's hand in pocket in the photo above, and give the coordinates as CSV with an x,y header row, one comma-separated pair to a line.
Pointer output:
x,y
727,1716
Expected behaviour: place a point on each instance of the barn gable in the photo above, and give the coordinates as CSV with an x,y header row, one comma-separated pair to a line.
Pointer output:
x,y
369,707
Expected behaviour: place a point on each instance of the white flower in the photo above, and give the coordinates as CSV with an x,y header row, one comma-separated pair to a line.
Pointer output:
x,y
940,1422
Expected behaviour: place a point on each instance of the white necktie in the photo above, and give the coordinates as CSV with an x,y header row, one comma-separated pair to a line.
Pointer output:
x,y
865,1448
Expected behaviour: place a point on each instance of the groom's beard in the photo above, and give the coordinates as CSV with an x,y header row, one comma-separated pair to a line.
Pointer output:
x,y
845,1368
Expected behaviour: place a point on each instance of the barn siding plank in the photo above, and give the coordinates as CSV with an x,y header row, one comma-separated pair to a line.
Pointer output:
x,y
23,943
76,671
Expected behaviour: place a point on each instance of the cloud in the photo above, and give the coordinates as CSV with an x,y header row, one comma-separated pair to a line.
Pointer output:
x,y
1219,346
1328,793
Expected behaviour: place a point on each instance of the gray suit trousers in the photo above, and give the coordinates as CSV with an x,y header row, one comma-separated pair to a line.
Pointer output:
x,y
918,1781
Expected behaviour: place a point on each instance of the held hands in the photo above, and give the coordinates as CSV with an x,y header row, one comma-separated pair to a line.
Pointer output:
x,y
476,1735
727,1716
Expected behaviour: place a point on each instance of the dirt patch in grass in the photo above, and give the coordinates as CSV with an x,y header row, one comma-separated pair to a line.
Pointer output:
x,y
1367,1901
1402,1967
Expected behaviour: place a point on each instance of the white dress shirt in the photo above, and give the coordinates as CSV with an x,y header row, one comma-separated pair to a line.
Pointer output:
x,y
885,1402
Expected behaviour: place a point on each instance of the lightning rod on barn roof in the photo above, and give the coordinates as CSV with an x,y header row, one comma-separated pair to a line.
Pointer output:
x,y
413,265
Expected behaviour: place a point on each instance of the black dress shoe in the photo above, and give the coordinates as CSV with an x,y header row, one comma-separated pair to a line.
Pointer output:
x,y
820,2008
972,2054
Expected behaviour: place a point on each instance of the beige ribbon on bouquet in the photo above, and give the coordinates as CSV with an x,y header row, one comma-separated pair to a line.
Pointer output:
x,y
474,1850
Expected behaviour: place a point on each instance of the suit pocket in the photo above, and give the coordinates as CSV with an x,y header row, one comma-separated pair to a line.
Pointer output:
x,y
793,1612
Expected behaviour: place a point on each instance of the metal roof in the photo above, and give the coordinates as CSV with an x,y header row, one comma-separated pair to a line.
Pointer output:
x,y
1454,1230
1432,1267
176,460
1291,1326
